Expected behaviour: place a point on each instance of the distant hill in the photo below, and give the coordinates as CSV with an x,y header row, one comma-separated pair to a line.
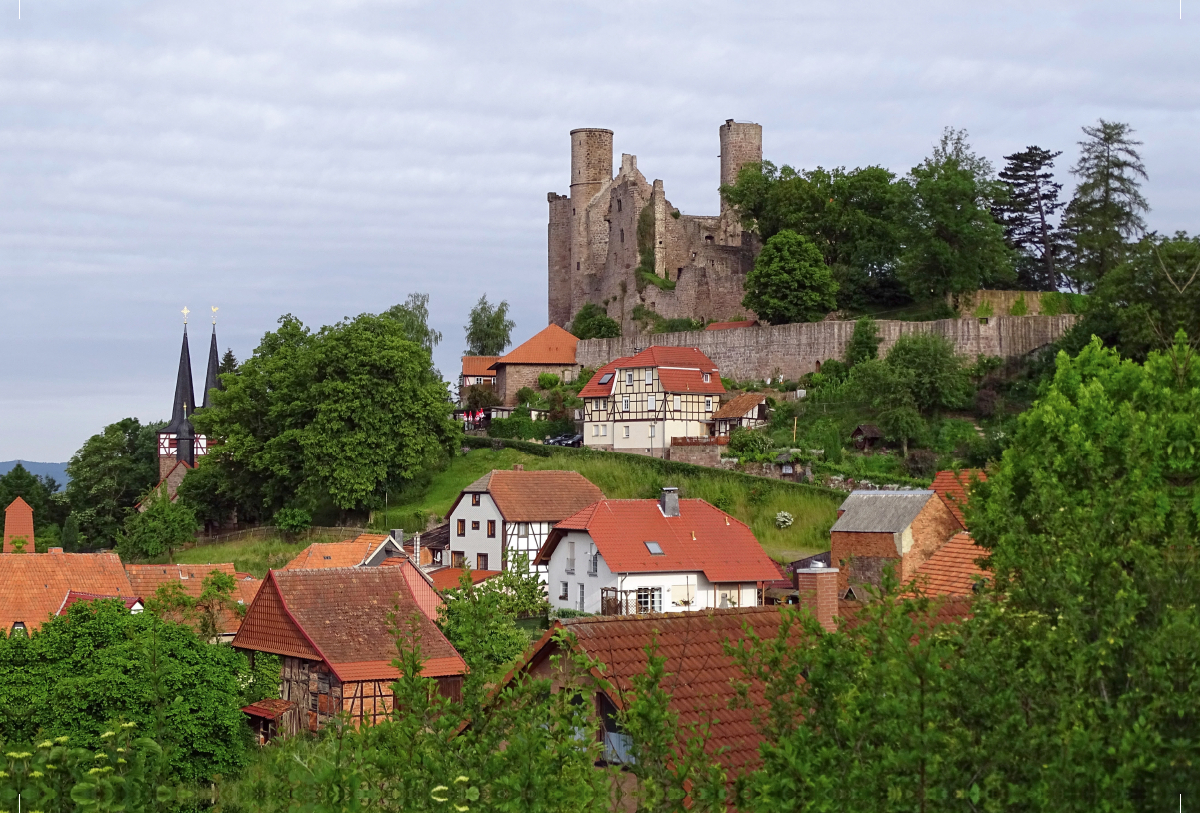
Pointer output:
x,y
56,470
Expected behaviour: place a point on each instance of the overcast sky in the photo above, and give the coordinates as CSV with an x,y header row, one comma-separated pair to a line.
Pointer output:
x,y
327,158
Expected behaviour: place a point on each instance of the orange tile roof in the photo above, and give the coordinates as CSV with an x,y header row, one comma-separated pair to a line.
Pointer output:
x,y
447,578
552,345
953,488
18,523
479,366
146,579
342,616
950,570
33,585
702,538
594,389
728,325
534,496
700,672
740,405
347,553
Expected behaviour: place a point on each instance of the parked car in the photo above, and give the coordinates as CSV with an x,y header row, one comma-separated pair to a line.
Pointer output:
x,y
574,440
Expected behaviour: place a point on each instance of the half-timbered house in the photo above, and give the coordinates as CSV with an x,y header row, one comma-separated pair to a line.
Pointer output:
x,y
332,629
748,411
504,514
638,404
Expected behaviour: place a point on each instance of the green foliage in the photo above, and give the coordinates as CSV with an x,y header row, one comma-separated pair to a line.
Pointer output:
x,y
547,381
292,520
790,281
1107,208
162,528
1054,303
834,370
332,416
229,363
984,310
85,672
935,374
1019,307
49,507
592,322
955,436
864,341
206,492
70,534
481,396
204,612
644,278
750,446
679,324
489,330
109,474
413,316
1027,215
645,241
253,556
953,244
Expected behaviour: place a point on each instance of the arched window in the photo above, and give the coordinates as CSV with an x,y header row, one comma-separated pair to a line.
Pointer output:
x,y
708,238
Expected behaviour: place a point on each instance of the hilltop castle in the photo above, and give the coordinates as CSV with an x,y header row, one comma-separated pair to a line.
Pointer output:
x,y
610,234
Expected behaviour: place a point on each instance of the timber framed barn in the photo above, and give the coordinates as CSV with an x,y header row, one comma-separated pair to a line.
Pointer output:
x,y
335,636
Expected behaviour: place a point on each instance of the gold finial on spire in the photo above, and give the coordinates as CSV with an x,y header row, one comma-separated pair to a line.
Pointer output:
x,y
185,312
214,310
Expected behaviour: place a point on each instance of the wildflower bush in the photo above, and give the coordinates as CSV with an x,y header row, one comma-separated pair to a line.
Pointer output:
x,y
784,520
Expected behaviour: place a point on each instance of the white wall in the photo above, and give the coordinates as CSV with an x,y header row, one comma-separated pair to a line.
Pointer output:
x,y
476,541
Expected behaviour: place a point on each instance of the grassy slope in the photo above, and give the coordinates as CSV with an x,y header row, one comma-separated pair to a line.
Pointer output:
x,y
620,478
253,556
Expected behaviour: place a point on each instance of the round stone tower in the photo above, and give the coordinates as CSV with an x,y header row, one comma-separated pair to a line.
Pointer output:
x,y
591,162
741,143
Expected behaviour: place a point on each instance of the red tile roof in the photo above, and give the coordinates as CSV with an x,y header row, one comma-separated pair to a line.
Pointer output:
x,y
343,616
594,389
146,579
950,570
953,489
447,578
479,366
271,708
347,553
18,522
739,406
33,585
680,369
552,345
702,538
700,673
74,597
424,590
534,496
728,325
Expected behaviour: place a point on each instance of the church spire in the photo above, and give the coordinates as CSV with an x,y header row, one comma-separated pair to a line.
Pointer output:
x,y
185,400
211,381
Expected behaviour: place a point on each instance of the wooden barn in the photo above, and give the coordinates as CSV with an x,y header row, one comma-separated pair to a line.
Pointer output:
x,y
333,633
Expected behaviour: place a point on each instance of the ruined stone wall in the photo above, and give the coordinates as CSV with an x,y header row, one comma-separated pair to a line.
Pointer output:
x,y
754,353
558,254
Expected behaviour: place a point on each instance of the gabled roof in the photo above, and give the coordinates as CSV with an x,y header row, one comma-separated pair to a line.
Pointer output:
x,y
881,511
680,369
347,553
739,406
447,578
596,387
146,579
424,588
479,366
534,496
950,570
33,585
552,345
74,597
702,538
953,488
343,616
18,523
867,430
728,325
700,674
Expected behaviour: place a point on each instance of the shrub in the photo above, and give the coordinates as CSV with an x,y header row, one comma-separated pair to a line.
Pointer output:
x,y
955,436
593,323
783,520
835,370
293,520
1019,307
526,395
547,381
750,446
984,310
987,401
790,281
864,342
921,463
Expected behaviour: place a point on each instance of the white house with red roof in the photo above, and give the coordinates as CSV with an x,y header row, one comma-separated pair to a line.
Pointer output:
x,y
637,404
622,557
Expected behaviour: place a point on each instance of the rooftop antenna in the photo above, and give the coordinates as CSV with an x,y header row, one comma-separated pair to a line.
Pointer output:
x,y
214,310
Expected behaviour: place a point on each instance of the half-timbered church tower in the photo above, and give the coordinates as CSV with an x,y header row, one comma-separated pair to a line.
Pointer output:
x,y
177,441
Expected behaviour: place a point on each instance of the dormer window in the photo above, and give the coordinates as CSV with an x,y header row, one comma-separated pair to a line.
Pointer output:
x,y
654,548
706,378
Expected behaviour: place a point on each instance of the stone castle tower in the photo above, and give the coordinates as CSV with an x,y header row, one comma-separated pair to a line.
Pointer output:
x,y
611,232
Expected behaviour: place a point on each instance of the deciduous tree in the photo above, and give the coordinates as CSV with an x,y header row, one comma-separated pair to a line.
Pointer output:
x,y
163,527
864,341
109,473
591,322
790,282
489,330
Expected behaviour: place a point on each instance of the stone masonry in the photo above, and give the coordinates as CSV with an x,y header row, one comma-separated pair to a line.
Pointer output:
x,y
756,353
595,248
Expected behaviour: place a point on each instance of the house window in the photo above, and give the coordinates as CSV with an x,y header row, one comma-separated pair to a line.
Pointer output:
x,y
653,547
649,600
474,499
598,405
627,431
580,605
462,527
708,404
474,525
651,403
649,377
458,559
652,430
629,378
625,404
562,591
523,530
481,561
593,564
491,529
595,430
603,430
571,556
706,378
677,403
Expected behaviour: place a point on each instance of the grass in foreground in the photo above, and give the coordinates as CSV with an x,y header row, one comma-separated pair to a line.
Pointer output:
x,y
754,502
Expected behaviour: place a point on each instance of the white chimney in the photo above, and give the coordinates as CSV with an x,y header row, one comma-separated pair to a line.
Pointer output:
x,y
669,501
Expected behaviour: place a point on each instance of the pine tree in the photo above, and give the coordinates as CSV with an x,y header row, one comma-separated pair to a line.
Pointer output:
x,y
1027,217
229,362
1108,204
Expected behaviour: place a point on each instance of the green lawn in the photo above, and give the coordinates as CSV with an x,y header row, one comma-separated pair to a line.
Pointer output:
x,y
253,556
755,502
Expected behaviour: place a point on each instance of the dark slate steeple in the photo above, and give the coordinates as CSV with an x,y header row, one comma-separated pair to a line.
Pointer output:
x,y
211,381
185,399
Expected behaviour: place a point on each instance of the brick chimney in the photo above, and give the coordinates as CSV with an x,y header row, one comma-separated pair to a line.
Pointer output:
x,y
518,467
818,588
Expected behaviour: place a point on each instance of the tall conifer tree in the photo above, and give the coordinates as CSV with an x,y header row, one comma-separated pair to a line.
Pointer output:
x,y
1028,217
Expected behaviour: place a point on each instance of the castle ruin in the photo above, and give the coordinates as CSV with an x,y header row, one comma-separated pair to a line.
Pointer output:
x,y
611,233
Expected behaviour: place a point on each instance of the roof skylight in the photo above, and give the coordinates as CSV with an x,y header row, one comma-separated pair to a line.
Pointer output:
x,y
604,379
654,548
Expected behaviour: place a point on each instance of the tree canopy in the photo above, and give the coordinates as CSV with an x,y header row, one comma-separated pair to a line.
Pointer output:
x,y
489,330
42,494
163,527
790,282
1027,214
109,474
591,322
